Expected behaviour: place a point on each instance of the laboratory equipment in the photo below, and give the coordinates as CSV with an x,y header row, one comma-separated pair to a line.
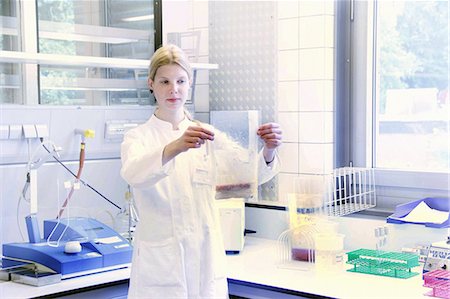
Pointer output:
x,y
302,242
345,191
329,251
381,233
296,243
126,220
438,257
84,134
436,269
310,192
315,197
232,222
297,246
351,190
34,277
102,248
71,246
383,263
439,282
237,162
35,161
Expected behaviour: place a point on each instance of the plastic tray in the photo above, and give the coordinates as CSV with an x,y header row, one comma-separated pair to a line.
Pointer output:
x,y
437,203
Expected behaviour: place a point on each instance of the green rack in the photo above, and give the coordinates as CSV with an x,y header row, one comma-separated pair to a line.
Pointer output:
x,y
384,263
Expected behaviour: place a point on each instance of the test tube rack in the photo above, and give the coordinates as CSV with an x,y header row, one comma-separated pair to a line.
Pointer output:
x,y
439,281
383,263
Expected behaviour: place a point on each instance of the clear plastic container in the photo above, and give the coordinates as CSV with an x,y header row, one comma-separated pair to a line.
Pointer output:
x,y
302,243
329,253
309,193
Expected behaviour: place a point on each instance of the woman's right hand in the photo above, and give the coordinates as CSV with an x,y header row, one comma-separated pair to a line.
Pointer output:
x,y
193,137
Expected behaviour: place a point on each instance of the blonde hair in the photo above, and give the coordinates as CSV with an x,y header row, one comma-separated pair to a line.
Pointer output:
x,y
169,54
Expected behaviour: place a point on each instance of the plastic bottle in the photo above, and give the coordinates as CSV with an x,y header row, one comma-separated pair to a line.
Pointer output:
x,y
329,251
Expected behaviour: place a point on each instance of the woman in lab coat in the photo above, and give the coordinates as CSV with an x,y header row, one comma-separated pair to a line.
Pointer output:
x,y
178,250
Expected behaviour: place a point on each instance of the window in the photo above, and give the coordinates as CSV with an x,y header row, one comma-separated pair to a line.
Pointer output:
x,y
395,115
412,86
89,44
10,73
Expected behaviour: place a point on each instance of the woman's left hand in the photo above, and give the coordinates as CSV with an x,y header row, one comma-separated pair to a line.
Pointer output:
x,y
271,135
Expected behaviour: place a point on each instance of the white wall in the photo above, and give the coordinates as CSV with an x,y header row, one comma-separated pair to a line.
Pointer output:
x,y
305,89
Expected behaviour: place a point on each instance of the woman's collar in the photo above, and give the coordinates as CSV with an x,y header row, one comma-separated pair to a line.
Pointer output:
x,y
183,125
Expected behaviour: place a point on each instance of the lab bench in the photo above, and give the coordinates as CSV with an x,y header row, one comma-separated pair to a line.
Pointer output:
x,y
253,273
256,270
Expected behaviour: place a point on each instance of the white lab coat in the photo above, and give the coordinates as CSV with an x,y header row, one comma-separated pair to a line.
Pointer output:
x,y
178,250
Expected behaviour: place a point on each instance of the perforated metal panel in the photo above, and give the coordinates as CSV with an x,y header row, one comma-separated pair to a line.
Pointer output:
x,y
242,40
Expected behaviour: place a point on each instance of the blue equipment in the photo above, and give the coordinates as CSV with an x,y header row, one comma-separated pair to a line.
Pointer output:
x,y
102,248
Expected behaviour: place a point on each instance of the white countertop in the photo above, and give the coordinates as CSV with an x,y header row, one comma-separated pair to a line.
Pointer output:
x,y
258,263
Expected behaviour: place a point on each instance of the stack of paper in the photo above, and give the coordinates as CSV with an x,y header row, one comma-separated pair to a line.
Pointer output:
x,y
422,213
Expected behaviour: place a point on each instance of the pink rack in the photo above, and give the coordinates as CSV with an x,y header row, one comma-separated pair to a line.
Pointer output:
x,y
439,281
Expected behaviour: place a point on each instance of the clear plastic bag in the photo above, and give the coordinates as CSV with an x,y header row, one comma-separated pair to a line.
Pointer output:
x,y
237,162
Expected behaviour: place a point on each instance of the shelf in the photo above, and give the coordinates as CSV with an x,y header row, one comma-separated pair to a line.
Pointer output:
x,y
99,84
85,61
78,32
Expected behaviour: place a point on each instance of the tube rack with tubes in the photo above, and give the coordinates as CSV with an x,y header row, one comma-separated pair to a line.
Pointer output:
x,y
383,263
439,281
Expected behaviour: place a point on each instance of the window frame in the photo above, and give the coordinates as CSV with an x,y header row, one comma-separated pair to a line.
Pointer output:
x,y
357,30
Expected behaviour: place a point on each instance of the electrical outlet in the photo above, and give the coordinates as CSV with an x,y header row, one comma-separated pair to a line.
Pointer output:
x,y
4,132
29,131
15,131
41,130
